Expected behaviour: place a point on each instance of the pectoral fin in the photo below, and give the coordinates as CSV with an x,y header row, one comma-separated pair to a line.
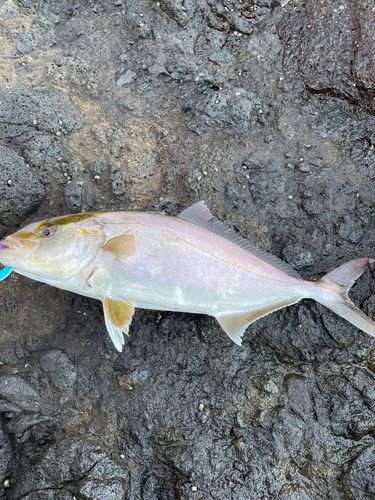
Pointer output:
x,y
121,247
118,314
235,324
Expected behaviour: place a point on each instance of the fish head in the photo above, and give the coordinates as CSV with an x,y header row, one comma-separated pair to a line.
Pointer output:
x,y
55,249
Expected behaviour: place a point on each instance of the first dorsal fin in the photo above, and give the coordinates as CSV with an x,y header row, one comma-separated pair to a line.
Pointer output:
x,y
200,215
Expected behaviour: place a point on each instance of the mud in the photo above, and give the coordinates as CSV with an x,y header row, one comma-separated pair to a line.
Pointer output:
x,y
143,105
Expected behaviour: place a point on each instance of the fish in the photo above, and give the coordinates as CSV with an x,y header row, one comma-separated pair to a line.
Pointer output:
x,y
189,263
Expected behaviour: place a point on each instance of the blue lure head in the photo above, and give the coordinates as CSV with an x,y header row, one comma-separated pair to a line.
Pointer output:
x,y
7,270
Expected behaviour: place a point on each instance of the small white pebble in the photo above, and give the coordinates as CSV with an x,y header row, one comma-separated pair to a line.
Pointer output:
x,y
196,78
9,182
290,197
205,173
58,134
141,24
6,483
217,101
194,488
122,455
200,407
97,177
35,122
301,159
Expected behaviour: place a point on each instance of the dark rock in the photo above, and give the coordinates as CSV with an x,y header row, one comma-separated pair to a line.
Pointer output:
x,y
118,180
5,455
21,193
237,110
98,166
60,369
179,10
48,110
341,65
79,195
17,391
285,158
43,150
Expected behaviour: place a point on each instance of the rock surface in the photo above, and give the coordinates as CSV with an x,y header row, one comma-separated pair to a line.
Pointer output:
x,y
145,105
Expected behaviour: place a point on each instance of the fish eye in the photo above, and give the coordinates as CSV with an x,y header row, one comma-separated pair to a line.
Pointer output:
x,y
47,230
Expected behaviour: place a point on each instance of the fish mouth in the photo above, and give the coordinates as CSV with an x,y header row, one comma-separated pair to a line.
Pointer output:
x,y
10,247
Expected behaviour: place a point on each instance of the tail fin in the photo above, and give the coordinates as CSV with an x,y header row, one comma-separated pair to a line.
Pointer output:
x,y
338,282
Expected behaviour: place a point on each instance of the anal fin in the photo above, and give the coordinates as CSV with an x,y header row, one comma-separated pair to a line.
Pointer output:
x,y
118,314
235,324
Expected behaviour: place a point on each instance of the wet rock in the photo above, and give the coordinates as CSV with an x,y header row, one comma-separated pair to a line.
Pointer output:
x,y
183,413
79,195
18,392
20,191
341,65
5,455
60,369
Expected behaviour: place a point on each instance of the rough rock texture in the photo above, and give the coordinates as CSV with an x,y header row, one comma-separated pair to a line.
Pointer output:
x,y
20,191
145,105
331,45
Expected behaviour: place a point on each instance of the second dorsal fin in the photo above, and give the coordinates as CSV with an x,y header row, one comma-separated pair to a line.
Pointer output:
x,y
200,215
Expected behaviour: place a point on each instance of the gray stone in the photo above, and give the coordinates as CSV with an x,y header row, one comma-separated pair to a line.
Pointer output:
x,y
60,369
126,78
20,191
79,195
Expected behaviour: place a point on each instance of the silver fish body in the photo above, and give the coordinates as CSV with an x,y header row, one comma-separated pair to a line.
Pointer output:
x,y
189,263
